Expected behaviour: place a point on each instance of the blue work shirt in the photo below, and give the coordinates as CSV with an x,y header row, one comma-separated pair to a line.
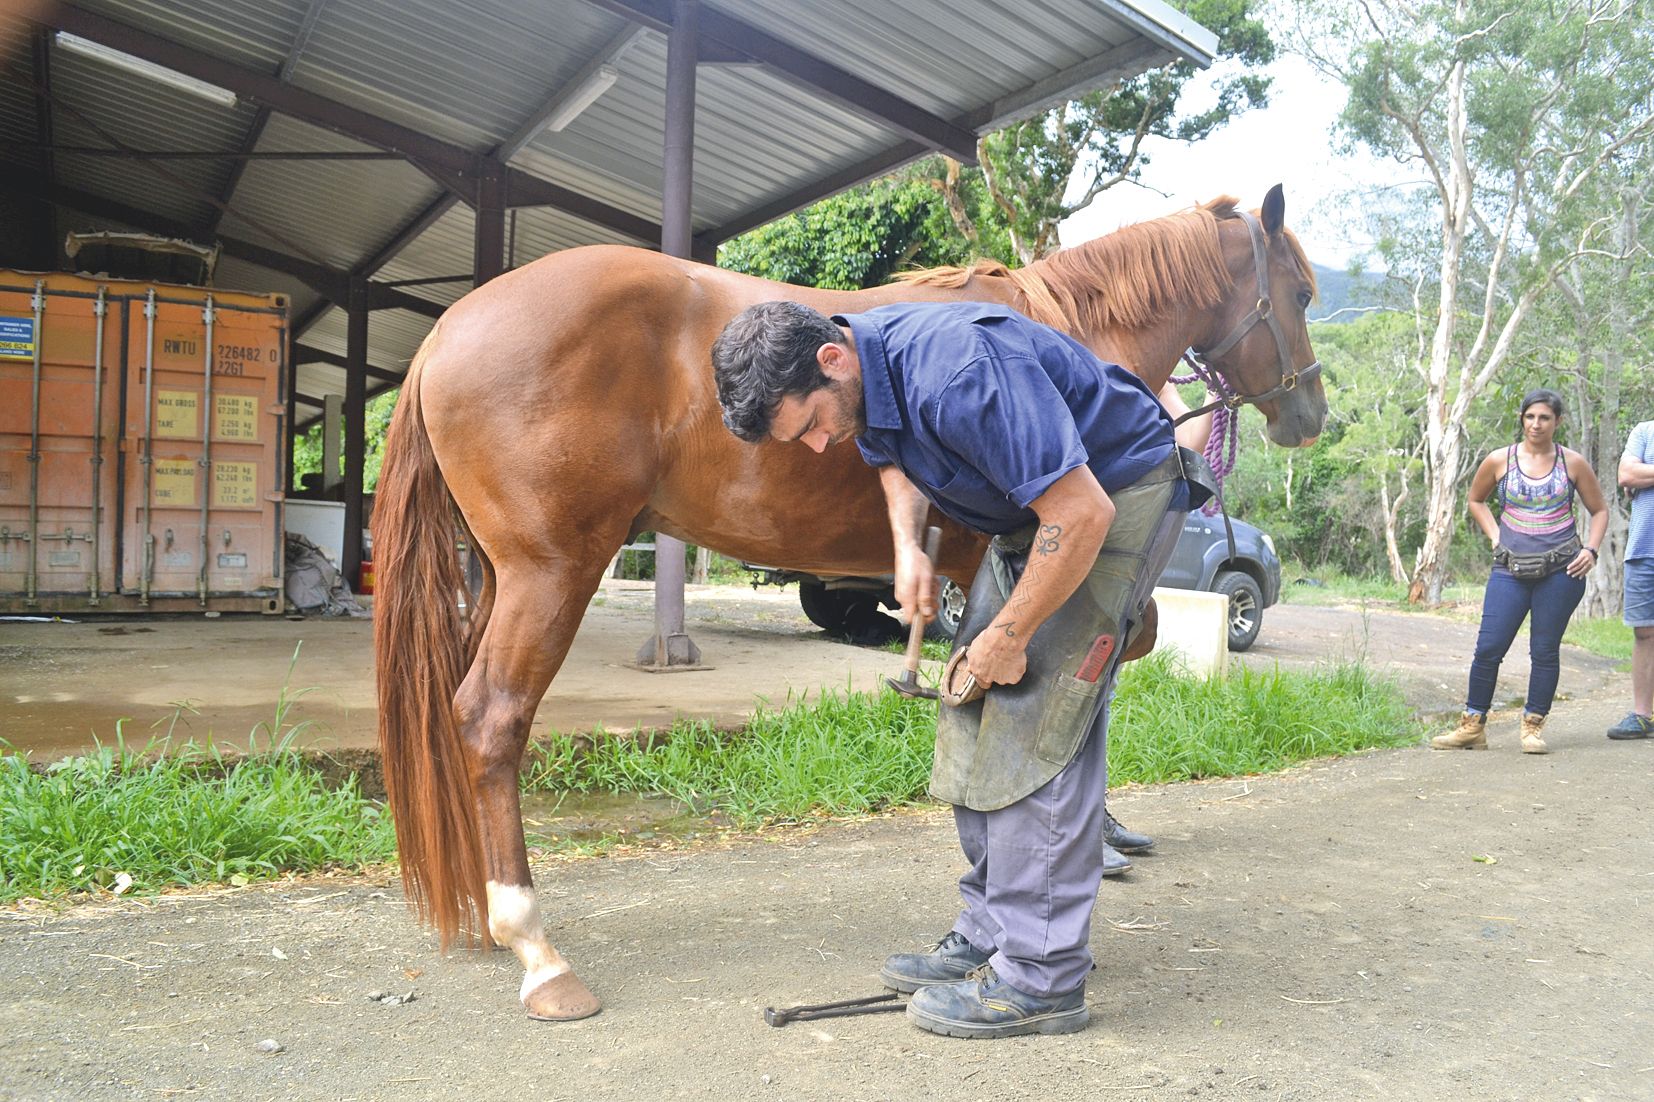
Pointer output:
x,y
983,409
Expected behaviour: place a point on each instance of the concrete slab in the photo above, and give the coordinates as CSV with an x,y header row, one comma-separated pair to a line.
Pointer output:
x,y
63,685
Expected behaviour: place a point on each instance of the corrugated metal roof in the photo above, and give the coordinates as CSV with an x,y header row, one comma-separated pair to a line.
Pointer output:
x,y
476,76
332,212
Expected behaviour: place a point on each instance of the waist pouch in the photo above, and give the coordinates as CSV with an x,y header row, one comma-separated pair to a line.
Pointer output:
x,y
1541,564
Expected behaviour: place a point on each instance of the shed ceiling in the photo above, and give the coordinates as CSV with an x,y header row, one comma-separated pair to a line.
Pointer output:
x,y
804,98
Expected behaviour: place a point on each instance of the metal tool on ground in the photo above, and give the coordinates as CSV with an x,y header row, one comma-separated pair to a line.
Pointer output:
x,y
873,1004
908,683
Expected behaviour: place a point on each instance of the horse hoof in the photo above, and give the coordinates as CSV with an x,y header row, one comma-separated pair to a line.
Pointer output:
x,y
563,998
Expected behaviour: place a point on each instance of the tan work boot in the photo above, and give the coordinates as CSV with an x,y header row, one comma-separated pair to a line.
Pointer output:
x,y
1470,734
1532,741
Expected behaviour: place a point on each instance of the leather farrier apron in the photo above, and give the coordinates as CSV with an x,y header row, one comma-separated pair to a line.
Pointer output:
x,y
994,751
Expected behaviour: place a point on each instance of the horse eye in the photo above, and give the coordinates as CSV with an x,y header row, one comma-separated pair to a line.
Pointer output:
x,y
1303,300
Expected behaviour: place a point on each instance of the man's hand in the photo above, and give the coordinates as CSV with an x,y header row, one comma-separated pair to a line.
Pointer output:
x,y
915,573
997,659
1074,517
915,582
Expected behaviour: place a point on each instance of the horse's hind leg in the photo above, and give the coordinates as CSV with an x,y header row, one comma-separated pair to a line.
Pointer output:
x,y
538,607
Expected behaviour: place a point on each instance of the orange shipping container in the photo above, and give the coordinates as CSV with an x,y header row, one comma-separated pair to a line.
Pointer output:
x,y
142,455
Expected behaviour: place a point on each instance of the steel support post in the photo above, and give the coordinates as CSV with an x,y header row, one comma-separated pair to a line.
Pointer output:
x,y
356,433
488,258
671,647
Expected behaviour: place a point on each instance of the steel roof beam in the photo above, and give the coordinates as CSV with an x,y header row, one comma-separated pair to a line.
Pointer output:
x,y
331,283
451,165
310,354
736,38
43,128
301,39
198,154
514,144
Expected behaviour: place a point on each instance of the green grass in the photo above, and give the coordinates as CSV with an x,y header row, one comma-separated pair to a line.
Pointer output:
x,y
1302,586
853,753
1607,637
193,816
187,818
140,820
1168,727
935,650
841,754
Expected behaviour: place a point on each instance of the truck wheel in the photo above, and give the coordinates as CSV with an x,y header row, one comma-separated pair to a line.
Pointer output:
x,y
950,610
1245,607
850,613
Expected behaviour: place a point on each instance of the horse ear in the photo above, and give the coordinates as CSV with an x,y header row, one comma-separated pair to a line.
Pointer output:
x,y
1274,210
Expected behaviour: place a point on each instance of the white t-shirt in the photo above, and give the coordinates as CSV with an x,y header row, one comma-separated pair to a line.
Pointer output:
x,y
1639,541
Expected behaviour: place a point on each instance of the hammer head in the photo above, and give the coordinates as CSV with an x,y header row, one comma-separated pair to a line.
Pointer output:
x,y
908,685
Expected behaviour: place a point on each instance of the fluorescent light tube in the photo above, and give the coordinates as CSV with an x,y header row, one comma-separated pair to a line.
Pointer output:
x,y
158,73
583,97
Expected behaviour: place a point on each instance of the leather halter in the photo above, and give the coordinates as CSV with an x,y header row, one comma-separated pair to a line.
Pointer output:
x,y
1264,311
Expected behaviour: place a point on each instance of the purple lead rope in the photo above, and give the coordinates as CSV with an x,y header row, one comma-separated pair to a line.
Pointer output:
x,y
1225,438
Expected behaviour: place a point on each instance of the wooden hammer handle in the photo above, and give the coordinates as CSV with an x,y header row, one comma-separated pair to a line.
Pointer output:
x,y
916,634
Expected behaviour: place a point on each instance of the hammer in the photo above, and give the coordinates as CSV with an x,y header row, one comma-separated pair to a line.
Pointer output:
x,y
873,1005
908,684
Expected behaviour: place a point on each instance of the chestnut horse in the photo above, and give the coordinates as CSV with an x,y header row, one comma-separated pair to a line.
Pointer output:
x,y
568,405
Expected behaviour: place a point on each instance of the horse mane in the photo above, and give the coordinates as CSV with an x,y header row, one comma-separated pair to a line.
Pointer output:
x,y
1122,280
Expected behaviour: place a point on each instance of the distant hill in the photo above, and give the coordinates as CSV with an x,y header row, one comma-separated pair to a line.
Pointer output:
x,y
1340,289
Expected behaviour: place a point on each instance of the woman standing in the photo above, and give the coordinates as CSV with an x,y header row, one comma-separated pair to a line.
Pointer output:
x,y
1539,565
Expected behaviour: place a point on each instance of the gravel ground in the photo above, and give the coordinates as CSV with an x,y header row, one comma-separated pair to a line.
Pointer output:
x,y
1404,924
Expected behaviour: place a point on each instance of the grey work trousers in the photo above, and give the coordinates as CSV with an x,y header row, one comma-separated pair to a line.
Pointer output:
x,y
1036,864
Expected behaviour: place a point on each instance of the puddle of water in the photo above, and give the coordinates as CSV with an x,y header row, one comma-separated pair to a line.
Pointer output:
x,y
590,817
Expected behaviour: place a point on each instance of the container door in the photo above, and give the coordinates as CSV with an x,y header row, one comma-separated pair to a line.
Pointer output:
x,y
204,474
59,418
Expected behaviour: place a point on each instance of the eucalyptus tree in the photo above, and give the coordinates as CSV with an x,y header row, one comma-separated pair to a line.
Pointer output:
x,y
1511,110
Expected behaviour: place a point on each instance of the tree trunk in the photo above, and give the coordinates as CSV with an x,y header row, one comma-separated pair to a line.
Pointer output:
x,y
1392,510
1445,424
1440,512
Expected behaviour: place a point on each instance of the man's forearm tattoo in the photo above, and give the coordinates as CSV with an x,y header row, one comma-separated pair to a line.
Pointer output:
x,y
1046,542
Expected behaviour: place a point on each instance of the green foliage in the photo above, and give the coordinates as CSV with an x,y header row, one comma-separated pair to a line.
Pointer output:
x,y
307,449
858,238
188,818
1607,637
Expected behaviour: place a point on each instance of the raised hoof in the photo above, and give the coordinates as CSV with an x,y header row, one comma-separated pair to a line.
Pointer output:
x,y
563,998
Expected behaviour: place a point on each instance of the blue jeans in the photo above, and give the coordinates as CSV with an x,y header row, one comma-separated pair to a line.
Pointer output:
x,y
1505,604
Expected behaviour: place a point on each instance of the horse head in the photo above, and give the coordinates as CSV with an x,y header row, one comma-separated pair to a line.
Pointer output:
x,y
1258,339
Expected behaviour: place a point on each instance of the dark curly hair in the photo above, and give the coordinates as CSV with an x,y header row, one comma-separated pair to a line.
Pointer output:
x,y
767,353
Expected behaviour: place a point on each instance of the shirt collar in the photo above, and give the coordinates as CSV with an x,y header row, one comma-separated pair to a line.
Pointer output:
x,y
878,392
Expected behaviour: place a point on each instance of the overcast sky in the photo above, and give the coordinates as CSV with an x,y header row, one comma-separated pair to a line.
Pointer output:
x,y
1289,142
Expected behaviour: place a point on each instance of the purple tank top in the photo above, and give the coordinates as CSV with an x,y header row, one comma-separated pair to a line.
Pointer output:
x,y
1537,514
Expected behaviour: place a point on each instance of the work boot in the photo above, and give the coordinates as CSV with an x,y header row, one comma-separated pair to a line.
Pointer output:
x,y
1115,863
1126,841
1470,734
949,961
1533,742
1632,726
986,1006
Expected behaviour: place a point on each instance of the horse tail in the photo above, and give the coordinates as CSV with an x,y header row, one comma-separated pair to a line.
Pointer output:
x,y
421,654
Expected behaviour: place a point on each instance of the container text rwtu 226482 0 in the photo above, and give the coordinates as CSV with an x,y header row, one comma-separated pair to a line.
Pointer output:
x,y
141,446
